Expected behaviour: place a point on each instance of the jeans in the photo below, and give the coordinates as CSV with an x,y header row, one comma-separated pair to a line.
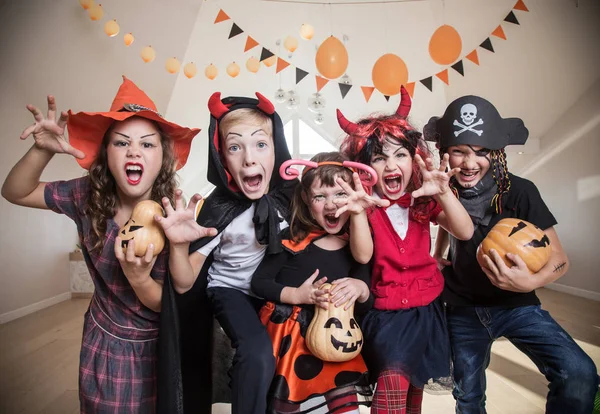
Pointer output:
x,y
570,371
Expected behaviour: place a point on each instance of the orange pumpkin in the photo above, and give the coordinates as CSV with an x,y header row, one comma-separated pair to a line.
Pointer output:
x,y
142,228
333,334
518,237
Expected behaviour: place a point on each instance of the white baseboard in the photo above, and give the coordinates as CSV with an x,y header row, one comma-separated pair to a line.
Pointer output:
x,y
588,294
26,310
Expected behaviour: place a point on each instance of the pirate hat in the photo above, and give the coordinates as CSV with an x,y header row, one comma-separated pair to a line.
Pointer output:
x,y
87,129
472,120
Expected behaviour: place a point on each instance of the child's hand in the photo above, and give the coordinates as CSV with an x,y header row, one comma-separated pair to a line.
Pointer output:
x,y
136,269
435,182
358,200
180,224
515,279
441,262
309,293
348,291
48,134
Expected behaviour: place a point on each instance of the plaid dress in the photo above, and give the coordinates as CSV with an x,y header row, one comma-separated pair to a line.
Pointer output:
x,y
117,370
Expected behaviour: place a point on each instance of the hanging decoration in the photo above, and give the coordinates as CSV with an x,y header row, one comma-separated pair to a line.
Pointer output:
x,y
148,54
211,71
291,44
292,100
172,65
445,45
128,39
86,4
389,73
316,103
332,58
270,61
190,70
253,64
319,119
280,95
95,12
307,31
111,28
233,69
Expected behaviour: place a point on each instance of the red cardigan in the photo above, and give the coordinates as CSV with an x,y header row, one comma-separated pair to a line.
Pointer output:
x,y
404,273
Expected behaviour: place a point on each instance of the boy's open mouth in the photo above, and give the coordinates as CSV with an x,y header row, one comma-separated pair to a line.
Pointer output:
x,y
393,183
331,221
134,172
469,175
253,182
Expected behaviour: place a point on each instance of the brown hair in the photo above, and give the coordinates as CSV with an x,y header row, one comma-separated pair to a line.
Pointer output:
x,y
103,200
245,115
302,222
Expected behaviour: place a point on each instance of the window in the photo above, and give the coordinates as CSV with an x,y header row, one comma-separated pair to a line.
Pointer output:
x,y
303,141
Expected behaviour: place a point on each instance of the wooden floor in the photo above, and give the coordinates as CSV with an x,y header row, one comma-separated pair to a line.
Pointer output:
x,y
39,359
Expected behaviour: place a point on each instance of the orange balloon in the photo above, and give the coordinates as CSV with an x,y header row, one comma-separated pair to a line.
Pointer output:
x,y
95,12
307,31
190,70
389,73
332,58
111,28
128,39
291,44
233,69
445,45
270,61
172,65
86,4
211,71
253,64
148,54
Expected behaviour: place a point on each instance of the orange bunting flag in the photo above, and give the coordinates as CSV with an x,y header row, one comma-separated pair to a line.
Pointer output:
x,y
521,6
410,88
443,76
473,57
368,91
499,32
250,43
321,82
281,65
221,17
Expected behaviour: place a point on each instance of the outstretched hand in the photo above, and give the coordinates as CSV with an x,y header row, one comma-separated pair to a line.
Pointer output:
x,y
180,225
435,181
48,133
358,200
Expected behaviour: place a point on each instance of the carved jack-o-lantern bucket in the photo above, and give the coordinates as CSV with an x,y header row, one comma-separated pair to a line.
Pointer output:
x,y
142,228
333,334
518,237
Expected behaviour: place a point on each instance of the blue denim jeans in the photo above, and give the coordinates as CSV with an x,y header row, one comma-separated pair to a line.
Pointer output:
x,y
570,371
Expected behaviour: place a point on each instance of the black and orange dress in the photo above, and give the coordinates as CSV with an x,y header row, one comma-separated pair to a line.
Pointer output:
x,y
302,382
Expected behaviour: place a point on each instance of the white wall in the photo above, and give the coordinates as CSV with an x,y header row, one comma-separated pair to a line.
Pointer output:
x,y
567,173
54,48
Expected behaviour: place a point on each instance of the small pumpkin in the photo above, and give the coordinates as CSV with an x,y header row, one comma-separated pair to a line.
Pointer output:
x,y
518,237
333,334
142,228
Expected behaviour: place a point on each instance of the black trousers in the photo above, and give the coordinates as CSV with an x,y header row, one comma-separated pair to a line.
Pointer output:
x,y
254,364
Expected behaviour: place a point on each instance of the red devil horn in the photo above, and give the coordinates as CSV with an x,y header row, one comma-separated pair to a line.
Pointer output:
x,y
348,127
405,103
265,105
216,107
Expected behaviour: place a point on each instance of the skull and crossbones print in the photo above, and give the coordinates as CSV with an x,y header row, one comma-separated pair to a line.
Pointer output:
x,y
468,114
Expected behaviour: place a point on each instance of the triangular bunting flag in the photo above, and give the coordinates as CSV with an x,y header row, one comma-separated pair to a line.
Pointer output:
x,y
344,89
221,17
443,76
367,91
265,54
511,18
410,88
428,82
473,57
487,45
499,32
458,66
235,30
300,74
387,97
281,65
320,82
250,43
521,6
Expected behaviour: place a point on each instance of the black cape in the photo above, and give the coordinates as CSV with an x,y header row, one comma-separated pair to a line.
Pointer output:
x,y
185,346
